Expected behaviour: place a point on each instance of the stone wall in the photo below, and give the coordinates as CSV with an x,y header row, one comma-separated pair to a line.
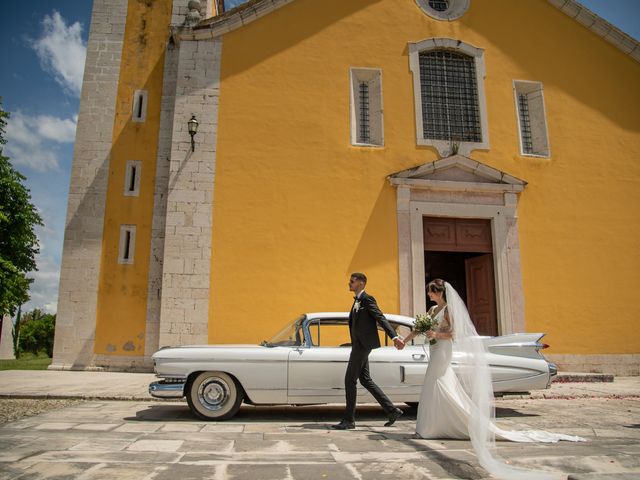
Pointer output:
x,y
184,315
80,269
618,365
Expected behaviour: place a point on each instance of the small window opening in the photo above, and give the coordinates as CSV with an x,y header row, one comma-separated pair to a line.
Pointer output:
x,y
127,244
532,121
139,106
439,5
525,124
139,115
132,178
364,113
366,107
132,181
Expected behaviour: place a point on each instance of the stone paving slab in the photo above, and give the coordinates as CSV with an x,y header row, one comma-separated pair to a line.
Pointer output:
x,y
151,441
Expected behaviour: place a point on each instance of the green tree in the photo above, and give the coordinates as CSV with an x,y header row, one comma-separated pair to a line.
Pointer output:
x,y
18,241
37,332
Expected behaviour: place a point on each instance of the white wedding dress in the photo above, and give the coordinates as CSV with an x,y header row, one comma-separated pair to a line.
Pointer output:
x,y
448,410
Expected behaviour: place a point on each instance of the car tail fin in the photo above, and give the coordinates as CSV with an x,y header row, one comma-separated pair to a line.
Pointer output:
x,y
526,345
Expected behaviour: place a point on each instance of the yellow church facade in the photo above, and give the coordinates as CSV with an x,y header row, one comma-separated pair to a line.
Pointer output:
x,y
406,139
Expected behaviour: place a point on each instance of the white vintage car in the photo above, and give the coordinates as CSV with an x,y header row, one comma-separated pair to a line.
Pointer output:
x,y
305,363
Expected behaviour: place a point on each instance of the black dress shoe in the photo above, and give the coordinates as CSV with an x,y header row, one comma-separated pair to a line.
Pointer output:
x,y
344,426
393,416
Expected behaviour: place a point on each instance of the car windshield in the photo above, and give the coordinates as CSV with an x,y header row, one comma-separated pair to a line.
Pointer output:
x,y
291,335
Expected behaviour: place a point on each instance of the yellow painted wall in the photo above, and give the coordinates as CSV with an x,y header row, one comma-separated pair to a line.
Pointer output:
x,y
297,208
122,297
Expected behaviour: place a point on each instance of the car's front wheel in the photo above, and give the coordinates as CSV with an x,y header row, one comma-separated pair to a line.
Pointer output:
x,y
214,396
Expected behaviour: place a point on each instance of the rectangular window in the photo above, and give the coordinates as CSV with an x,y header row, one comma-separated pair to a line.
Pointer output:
x,y
449,94
366,107
525,123
532,121
127,244
364,129
139,106
132,178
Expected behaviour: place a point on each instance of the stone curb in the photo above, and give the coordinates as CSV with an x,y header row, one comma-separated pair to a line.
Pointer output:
x,y
583,378
54,396
135,398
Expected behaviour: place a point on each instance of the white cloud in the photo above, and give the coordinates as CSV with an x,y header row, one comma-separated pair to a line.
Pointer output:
x,y
31,139
62,52
57,129
44,289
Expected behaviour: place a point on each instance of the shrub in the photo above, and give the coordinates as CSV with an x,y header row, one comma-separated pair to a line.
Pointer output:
x,y
36,334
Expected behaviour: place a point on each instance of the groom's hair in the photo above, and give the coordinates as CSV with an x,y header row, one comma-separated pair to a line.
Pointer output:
x,y
359,276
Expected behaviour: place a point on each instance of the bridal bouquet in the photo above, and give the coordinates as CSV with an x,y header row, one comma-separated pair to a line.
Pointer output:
x,y
425,322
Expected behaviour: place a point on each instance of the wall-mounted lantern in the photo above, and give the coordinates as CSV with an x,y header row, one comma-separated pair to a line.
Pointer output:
x,y
193,129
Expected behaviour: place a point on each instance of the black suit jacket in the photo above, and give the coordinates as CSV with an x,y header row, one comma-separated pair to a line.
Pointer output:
x,y
363,324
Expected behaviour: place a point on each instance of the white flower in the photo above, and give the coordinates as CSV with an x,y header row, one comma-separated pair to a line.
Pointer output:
x,y
356,306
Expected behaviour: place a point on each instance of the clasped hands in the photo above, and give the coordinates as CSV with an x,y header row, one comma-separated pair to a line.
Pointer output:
x,y
400,342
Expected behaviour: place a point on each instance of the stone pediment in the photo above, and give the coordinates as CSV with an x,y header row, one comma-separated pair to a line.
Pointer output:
x,y
457,173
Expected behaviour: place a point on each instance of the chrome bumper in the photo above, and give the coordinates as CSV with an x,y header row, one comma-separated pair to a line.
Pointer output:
x,y
553,372
164,389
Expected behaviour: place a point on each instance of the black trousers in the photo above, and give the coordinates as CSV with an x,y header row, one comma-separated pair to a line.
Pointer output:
x,y
358,369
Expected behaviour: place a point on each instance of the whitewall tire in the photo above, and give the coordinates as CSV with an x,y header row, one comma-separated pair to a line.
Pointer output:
x,y
214,396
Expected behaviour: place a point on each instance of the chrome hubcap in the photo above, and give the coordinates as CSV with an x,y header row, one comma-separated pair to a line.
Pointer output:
x,y
213,394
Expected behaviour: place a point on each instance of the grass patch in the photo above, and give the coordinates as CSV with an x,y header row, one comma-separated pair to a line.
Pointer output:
x,y
27,361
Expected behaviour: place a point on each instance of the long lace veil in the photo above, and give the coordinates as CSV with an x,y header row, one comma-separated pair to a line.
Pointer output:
x,y
475,376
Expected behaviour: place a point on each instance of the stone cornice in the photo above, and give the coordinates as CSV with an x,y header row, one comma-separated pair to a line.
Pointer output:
x,y
242,15
254,9
599,26
452,186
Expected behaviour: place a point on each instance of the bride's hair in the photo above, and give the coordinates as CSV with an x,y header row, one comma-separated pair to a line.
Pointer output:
x,y
437,286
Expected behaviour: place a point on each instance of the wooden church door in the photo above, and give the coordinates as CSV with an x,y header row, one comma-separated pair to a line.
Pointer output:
x,y
480,294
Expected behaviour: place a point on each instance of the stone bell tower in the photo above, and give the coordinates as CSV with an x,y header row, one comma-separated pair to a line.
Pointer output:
x,y
137,248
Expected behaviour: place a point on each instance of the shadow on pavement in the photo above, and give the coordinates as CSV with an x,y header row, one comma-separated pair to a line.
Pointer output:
x,y
165,412
307,414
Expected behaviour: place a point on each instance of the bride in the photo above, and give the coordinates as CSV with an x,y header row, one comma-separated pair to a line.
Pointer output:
x,y
461,406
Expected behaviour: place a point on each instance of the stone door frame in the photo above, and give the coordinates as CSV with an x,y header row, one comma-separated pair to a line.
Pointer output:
x,y
459,187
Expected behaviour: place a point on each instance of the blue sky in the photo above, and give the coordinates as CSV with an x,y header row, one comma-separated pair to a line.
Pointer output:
x,y
43,48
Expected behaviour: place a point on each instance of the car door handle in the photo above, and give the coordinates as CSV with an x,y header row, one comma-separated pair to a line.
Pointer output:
x,y
418,356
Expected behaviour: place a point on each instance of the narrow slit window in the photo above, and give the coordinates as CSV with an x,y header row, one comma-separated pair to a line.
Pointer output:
x,y
364,136
366,107
139,106
532,122
127,244
132,178
525,123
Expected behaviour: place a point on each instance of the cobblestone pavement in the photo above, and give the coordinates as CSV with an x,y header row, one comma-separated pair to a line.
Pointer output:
x,y
162,440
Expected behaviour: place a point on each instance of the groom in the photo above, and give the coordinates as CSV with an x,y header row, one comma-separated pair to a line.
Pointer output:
x,y
363,327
